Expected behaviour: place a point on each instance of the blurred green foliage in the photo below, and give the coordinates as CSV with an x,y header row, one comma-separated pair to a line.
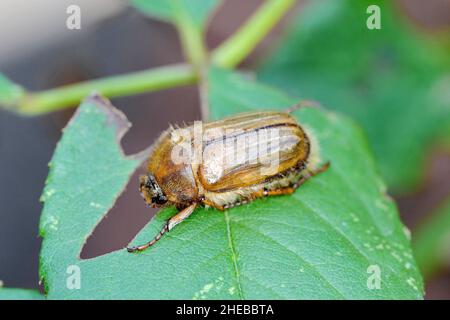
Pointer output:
x,y
197,10
431,242
10,92
393,81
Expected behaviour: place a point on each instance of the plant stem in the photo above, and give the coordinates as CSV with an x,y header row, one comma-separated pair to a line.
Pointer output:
x,y
203,93
191,37
121,85
194,50
227,55
238,46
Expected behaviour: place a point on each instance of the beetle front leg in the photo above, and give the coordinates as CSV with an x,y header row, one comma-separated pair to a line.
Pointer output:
x,y
181,216
170,224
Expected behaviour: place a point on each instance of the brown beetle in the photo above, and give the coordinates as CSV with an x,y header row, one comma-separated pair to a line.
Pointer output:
x,y
231,162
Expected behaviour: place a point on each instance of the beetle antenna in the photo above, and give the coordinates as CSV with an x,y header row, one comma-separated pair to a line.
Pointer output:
x,y
150,243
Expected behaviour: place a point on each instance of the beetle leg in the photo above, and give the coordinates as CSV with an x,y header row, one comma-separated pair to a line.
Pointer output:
x,y
274,192
309,174
303,104
278,192
181,216
227,206
213,205
288,190
239,202
170,224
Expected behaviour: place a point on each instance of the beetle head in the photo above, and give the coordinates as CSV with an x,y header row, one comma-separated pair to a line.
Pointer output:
x,y
151,191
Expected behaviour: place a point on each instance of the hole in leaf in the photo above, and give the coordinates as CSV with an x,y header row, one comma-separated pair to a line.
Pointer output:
x,y
121,224
130,213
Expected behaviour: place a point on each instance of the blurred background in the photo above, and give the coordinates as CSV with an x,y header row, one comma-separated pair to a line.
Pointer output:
x,y
39,52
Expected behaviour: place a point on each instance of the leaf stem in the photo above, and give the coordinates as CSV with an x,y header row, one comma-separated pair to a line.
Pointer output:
x,y
191,38
232,51
227,55
120,85
195,50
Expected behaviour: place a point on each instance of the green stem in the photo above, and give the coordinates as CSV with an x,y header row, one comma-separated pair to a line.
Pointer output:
x,y
227,55
238,46
121,85
190,36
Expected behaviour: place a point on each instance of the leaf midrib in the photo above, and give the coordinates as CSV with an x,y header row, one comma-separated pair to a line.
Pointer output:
x,y
233,255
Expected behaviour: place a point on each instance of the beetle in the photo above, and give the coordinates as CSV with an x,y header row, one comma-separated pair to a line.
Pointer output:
x,y
233,168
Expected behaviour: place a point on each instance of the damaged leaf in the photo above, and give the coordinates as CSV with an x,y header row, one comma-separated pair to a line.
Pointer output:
x,y
318,243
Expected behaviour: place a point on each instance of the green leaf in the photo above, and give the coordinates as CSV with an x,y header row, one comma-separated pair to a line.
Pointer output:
x,y
317,243
87,172
431,242
393,81
196,10
19,294
10,93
